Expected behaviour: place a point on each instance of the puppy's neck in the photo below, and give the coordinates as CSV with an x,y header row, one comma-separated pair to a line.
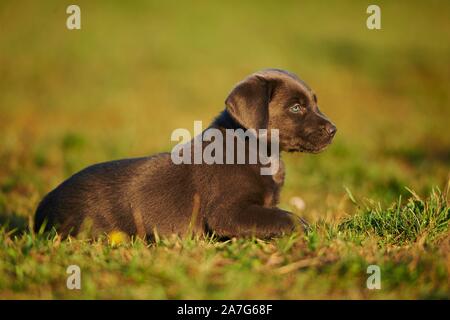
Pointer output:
x,y
225,121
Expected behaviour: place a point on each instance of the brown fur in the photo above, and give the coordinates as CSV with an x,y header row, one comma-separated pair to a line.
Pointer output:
x,y
137,196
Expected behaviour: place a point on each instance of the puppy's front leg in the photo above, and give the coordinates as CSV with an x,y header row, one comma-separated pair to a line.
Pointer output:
x,y
253,220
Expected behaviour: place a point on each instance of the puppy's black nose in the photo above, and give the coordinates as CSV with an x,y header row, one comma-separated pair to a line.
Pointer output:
x,y
331,129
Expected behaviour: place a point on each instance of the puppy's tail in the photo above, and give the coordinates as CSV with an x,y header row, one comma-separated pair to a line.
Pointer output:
x,y
42,217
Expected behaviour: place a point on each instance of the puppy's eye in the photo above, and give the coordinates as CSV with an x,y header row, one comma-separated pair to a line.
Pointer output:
x,y
296,108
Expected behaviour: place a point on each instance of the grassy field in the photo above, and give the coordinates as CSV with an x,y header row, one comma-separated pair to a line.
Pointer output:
x,y
135,72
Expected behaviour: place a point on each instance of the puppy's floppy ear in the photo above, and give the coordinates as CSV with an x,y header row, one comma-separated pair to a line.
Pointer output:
x,y
248,102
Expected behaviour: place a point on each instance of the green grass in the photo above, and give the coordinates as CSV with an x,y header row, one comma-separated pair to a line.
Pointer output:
x,y
330,261
135,72
417,220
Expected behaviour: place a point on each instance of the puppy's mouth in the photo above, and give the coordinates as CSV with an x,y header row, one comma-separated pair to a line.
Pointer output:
x,y
307,147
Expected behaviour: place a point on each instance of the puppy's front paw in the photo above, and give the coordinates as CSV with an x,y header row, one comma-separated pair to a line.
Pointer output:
x,y
300,222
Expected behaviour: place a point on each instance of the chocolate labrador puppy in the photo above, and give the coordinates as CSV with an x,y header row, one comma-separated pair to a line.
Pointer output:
x,y
143,195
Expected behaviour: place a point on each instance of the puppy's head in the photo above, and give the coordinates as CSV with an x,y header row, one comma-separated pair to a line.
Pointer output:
x,y
277,99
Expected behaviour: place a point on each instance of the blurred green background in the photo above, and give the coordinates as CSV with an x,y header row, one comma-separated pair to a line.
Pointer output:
x,y
138,70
